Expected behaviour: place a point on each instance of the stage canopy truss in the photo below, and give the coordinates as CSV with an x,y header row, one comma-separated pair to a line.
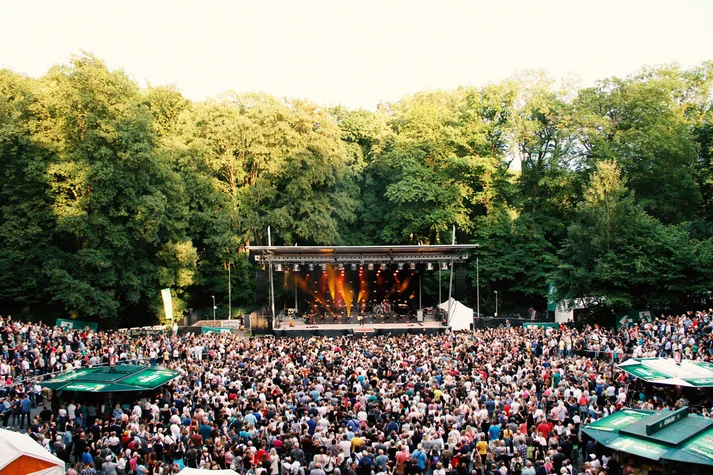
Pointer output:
x,y
457,253
336,290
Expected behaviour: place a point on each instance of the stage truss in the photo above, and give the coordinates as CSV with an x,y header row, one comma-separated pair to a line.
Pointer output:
x,y
437,256
457,253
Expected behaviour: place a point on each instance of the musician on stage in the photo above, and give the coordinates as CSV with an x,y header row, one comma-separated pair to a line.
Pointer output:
x,y
360,318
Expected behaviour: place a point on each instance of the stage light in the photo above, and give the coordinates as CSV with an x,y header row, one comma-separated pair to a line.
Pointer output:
x,y
296,267
353,266
310,267
371,266
444,266
278,267
429,266
324,267
412,266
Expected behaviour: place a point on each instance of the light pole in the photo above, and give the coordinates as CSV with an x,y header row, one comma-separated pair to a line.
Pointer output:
x,y
496,303
230,316
477,280
214,307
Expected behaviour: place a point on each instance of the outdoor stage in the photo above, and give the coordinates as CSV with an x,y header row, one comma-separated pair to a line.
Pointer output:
x,y
325,290
306,330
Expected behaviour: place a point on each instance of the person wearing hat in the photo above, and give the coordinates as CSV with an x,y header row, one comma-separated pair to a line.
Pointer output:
x,y
109,467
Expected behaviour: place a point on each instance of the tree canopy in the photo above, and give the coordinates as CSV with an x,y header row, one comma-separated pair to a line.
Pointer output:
x,y
110,192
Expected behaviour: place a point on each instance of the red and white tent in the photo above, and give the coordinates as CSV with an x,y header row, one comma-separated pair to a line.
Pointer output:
x,y
20,454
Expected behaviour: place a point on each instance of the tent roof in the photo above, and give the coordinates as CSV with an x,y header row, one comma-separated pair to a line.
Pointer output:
x,y
103,379
455,304
674,436
461,316
15,446
666,371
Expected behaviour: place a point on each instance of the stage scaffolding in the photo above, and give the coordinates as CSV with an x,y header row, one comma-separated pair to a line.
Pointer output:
x,y
438,257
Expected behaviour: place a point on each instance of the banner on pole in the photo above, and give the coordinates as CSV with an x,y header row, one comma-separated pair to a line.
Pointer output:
x,y
215,330
540,325
633,317
551,297
167,303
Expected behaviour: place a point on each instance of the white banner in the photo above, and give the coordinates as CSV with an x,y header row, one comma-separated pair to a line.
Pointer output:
x,y
167,303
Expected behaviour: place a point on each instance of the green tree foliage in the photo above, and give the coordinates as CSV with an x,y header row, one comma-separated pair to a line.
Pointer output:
x,y
643,123
112,213
620,257
109,192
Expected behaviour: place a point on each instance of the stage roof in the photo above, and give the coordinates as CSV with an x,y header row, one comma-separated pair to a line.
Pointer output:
x,y
362,254
103,379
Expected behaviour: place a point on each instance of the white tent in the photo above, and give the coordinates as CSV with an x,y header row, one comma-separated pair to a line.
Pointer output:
x,y
19,453
196,471
461,317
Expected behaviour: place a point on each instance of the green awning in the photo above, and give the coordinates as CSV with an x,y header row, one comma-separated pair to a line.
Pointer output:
x,y
619,420
103,379
666,371
668,436
642,448
700,447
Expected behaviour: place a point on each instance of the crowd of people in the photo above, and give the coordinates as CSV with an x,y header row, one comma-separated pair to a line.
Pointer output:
x,y
496,401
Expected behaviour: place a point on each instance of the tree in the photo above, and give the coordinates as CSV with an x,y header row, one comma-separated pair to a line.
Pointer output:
x,y
641,122
619,256
116,227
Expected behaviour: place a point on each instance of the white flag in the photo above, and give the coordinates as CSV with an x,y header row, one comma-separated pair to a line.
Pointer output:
x,y
167,303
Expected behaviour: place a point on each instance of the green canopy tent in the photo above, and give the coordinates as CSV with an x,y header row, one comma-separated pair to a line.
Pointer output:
x,y
665,371
661,436
105,379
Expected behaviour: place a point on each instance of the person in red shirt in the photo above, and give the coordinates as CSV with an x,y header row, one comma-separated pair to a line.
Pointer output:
x,y
261,455
544,428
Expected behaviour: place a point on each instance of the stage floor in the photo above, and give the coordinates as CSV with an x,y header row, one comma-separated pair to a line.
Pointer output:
x,y
344,329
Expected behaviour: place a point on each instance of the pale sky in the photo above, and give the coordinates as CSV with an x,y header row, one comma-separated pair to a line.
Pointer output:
x,y
355,53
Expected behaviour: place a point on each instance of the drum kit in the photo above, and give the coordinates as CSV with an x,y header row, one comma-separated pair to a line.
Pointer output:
x,y
381,312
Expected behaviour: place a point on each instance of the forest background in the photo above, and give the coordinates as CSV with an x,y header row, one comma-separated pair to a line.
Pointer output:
x,y
110,192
